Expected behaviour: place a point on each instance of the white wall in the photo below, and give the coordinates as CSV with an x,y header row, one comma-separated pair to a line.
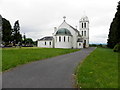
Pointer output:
x,y
87,32
79,44
74,34
42,44
62,44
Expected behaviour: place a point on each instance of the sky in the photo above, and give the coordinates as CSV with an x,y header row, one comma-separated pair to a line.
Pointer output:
x,y
37,18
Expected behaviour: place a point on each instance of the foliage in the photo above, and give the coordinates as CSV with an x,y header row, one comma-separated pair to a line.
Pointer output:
x,y
12,57
6,32
12,37
35,43
98,45
116,48
114,32
28,42
93,45
98,70
16,33
23,40
0,30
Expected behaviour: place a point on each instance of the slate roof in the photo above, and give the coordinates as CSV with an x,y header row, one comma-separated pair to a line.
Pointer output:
x,y
46,38
63,31
79,40
74,29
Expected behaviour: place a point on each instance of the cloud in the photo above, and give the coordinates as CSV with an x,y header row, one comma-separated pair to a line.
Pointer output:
x,y
39,17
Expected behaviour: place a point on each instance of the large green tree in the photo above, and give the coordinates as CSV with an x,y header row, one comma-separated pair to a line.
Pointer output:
x,y
29,42
0,30
114,32
6,32
17,37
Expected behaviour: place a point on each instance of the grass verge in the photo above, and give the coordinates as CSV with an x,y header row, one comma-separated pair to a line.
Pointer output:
x,y
12,57
98,70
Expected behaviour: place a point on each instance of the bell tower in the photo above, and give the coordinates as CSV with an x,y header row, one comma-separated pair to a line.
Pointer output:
x,y
84,30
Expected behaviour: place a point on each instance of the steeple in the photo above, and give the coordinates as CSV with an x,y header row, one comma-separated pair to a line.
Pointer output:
x,y
84,29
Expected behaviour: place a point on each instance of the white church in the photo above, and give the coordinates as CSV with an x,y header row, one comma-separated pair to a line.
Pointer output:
x,y
66,36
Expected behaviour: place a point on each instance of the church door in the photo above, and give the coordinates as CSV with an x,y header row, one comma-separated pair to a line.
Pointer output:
x,y
84,45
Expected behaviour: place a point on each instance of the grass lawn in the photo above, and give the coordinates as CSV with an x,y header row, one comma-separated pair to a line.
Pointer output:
x,y
12,57
98,70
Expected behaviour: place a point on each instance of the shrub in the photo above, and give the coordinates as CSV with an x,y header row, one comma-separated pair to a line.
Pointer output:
x,y
116,48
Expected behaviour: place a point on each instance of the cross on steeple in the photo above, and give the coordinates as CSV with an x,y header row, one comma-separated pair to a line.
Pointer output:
x,y
64,18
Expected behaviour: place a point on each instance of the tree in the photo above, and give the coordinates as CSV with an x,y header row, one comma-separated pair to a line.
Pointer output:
x,y
24,37
29,42
23,40
114,31
17,37
6,32
0,30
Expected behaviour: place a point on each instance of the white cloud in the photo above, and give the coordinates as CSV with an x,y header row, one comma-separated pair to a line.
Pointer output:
x,y
38,17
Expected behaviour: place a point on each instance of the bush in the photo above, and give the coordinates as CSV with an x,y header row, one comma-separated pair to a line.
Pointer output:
x,y
116,48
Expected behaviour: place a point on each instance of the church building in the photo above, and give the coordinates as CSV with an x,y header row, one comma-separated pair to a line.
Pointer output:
x,y
66,36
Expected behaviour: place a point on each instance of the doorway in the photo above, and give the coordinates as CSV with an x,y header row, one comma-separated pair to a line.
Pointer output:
x,y
84,44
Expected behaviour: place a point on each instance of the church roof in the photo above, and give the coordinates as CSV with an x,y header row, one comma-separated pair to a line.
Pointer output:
x,y
63,31
79,40
46,38
75,30
71,27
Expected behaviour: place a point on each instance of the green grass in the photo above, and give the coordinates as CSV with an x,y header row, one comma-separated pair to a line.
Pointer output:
x,y
98,70
12,57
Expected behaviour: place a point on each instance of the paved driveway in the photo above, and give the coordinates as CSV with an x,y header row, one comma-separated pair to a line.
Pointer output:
x,y
55,72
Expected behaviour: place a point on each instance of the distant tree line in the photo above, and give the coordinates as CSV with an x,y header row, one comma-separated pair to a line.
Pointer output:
x,y
12,37
98,45
114,31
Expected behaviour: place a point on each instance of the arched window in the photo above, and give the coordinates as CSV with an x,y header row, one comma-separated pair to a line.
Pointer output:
x,y
50,43
59,39
64,38
45,43
84,33
82,25
68,38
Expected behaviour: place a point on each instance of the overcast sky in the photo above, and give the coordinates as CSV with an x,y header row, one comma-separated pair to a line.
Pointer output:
x,y
38,18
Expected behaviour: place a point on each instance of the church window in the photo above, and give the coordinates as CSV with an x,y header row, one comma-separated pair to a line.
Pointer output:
x,y
56,39
82,33
68,38
79,44
85,33
45,43
59,39
50,43
82,25
64,38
